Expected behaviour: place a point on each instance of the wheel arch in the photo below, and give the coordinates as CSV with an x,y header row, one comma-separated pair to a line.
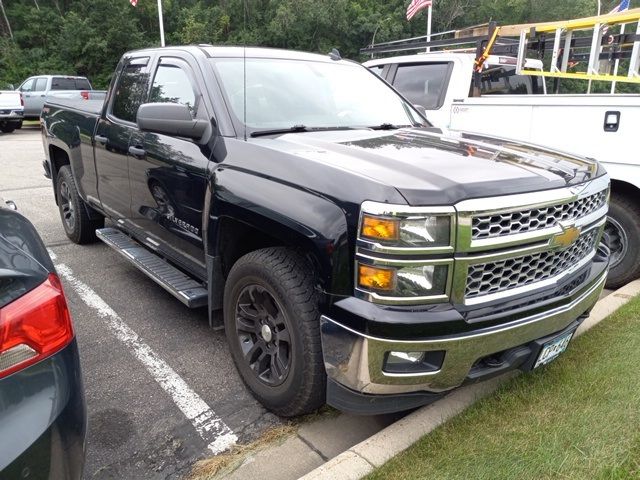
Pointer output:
x,y
624,188
58,158
249,212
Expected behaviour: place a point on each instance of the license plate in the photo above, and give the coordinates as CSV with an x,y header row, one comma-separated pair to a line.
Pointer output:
x,y
553,348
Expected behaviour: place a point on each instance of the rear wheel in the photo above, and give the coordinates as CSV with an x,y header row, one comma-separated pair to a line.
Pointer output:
x,y
272,325
78,226
623,238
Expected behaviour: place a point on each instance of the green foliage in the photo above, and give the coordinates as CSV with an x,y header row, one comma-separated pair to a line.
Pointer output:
x,y
87,37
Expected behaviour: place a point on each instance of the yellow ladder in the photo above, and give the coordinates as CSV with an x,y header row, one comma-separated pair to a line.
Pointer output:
x,y
563,36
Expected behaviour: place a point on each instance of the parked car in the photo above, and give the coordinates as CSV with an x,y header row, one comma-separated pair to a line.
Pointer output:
x,y
510,105
11,110
359,255
42,405
37,89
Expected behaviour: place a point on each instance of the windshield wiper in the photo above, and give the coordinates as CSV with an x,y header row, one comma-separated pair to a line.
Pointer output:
x,y
297,129
387,126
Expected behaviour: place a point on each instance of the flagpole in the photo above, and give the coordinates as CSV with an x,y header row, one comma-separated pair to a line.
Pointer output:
x,y
161,23
429,13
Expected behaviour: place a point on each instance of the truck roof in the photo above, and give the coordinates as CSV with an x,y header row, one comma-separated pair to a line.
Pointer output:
x,y
235,51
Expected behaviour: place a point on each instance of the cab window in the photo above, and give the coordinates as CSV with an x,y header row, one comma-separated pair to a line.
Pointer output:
x,y
130,91
171,84
41,85
505,81
423,84
27,86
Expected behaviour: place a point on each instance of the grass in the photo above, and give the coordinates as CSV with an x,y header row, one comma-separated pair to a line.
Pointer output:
x,y
578,418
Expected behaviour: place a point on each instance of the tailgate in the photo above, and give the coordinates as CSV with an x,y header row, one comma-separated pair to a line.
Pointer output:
x,y
10,99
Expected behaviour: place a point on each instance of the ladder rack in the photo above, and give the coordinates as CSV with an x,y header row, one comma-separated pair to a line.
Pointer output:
x,y
601,46
556,38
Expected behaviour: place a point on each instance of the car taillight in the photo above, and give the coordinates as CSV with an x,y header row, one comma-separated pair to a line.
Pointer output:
x,y
34,326
84,94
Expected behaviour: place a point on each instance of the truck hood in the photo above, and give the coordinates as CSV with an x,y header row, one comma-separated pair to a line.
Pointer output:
x,y
431,167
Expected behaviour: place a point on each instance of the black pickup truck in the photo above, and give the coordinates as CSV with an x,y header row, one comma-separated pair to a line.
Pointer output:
x,y
359,256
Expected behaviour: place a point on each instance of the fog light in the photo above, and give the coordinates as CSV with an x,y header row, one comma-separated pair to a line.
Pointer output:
x,y
404,357
413,362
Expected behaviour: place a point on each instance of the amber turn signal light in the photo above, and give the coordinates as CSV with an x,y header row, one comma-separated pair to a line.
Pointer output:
x,y
380,228
376,278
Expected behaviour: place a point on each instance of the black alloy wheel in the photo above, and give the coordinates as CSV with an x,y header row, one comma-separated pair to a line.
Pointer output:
x,y
78,219
263,332
272,324
67,211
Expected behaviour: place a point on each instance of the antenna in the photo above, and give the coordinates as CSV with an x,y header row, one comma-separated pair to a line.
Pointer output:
x,y
244,73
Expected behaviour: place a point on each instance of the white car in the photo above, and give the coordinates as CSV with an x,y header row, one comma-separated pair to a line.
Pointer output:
x,y
11,110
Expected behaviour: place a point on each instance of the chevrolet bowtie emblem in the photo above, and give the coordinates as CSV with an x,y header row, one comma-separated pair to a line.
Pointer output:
x,y
569,235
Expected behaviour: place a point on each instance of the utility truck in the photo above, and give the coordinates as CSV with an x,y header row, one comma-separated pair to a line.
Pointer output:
x,y
494,89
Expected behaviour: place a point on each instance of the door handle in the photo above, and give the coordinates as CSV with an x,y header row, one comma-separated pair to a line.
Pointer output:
x,y
100,139
611,121
43,96
137,152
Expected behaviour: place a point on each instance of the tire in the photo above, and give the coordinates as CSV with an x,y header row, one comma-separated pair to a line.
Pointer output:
x,y
78,226
623,233
276,289
9,128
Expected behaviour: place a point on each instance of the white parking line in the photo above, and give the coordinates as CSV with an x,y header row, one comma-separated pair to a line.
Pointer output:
x,y
218,436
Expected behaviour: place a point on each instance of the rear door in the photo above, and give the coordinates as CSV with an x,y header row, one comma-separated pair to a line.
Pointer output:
x,y
27,89
114,129
169,174
38,96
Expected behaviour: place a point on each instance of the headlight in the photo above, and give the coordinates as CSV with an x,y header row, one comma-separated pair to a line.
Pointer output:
x,y
398,229
426,282
408,238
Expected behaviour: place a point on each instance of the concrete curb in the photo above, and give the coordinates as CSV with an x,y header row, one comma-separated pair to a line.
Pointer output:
x,y
372,453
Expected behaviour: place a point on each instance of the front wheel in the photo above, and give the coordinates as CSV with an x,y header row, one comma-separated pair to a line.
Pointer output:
x,y
78,226
623,238
8,128
273,328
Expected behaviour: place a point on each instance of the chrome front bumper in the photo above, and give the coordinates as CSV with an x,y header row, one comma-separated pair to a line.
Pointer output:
x,y
355,360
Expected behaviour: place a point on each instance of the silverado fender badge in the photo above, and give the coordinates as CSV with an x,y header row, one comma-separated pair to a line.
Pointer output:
x,y
569,235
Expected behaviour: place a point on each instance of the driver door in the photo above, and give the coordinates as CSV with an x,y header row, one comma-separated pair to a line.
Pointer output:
x,y
168,174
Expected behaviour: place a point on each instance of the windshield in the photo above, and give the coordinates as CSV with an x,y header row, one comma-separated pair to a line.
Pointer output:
x,y
282,94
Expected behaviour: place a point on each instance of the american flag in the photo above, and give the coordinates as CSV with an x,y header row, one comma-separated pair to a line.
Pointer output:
x,y
621,7
133,2
417,5
624,5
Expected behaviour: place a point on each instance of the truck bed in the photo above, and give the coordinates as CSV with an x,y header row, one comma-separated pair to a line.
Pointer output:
x,y
93,107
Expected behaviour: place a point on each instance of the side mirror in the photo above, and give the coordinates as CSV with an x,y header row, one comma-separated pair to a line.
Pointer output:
x,y
170,119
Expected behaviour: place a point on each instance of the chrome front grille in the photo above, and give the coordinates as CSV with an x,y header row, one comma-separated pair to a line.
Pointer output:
x,y
494,277
510,223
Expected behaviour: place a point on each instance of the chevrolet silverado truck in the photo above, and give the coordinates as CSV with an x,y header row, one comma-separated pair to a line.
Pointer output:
x,y
359,256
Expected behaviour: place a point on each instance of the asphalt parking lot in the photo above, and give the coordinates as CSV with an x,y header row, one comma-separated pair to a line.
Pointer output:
x,y
161,388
